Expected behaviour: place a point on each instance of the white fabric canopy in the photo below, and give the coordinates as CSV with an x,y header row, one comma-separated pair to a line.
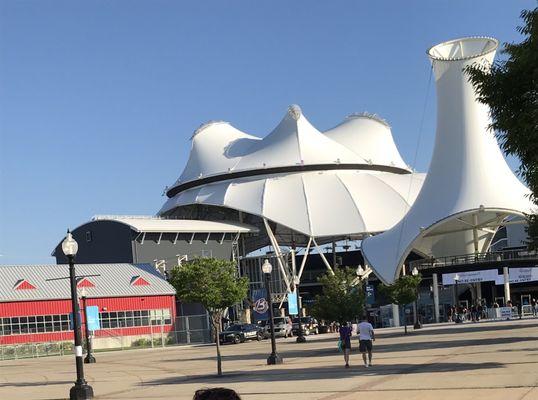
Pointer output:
x,y
469,190
327,203
369,137
369,195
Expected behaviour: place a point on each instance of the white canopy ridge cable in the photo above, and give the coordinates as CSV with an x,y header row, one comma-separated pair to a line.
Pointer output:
x,y
413,165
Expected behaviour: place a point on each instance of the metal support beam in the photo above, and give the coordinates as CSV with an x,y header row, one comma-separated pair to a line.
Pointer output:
x,y
143,238
175,239
475,233
222,238
303,263
207,238
160,237
192,238
279,257
323,257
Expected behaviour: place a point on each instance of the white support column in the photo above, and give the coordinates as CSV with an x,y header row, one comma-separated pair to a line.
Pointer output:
x,y
475,233
303,263
435,287
278,254
323,257
396,315
506,285
478,291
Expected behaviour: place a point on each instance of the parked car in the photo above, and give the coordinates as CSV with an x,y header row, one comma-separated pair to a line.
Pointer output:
x,y
309,326
282,327
239,333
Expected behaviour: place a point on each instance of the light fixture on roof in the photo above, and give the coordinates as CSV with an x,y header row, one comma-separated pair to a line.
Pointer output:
x,y
69,245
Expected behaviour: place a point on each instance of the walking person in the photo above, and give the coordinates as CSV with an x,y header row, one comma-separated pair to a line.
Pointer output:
x,y
366,337
345,338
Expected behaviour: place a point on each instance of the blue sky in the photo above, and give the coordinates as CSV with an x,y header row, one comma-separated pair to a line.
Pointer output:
x,y
98,99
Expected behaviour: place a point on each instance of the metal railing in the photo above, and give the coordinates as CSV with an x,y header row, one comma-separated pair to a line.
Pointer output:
x,y
194,329
475,258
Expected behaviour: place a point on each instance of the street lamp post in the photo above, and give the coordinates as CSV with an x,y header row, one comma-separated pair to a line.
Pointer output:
x,y
456,297
274,358
300,336
417,324
90,359
81,390
360,273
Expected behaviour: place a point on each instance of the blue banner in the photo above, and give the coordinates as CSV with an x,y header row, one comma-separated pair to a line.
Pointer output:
x,y
261,306
293,307
370,294
93,318
79,320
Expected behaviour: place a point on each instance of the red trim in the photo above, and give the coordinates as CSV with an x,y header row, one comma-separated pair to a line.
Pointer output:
x,y
85,282
23,284
139,281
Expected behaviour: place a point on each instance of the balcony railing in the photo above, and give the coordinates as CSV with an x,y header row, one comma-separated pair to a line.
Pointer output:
x,y
475,258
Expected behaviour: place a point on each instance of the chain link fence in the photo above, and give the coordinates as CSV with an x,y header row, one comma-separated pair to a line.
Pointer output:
x,y
187,330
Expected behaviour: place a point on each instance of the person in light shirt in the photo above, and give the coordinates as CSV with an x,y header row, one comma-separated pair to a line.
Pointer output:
x,y
366,337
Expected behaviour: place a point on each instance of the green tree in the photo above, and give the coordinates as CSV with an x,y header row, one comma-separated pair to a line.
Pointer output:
x,y
213,283
510,89
342,299
403,291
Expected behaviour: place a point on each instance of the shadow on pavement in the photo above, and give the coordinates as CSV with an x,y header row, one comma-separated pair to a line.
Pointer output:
x,y
328,372
379,347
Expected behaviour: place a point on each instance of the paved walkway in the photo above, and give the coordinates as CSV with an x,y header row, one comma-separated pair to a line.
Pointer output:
x,y
488,360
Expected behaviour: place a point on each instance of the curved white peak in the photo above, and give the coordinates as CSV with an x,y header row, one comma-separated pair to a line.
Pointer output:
x,y
369,137
295,142
216,147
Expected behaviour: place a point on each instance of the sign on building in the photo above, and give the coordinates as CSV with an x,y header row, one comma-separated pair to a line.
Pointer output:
x,y
471,277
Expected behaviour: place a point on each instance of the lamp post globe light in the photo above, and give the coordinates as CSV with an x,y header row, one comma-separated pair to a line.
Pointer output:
x,y
417,324
301,338
90,359
274,358
81,390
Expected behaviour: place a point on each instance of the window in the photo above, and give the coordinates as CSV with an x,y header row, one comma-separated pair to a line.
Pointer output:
x,y
34,324
88,236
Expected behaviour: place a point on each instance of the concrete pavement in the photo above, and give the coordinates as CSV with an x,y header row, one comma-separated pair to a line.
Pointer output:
x,y
487,360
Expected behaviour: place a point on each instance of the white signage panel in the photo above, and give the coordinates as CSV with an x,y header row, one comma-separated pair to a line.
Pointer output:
x,y
471,276
518,275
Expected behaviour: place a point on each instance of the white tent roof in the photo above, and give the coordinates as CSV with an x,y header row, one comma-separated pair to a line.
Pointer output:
x,y
349,180
144,223
369,137
317,203
469,190
216,148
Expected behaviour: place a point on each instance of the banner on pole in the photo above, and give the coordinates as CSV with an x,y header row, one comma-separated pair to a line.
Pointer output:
x,y
261,306
293,307
370,294
93,318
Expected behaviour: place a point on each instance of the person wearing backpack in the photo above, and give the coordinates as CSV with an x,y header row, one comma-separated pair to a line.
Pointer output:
x,y
345,341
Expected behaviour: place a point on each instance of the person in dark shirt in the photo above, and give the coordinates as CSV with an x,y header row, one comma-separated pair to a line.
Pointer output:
x,y
345,337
